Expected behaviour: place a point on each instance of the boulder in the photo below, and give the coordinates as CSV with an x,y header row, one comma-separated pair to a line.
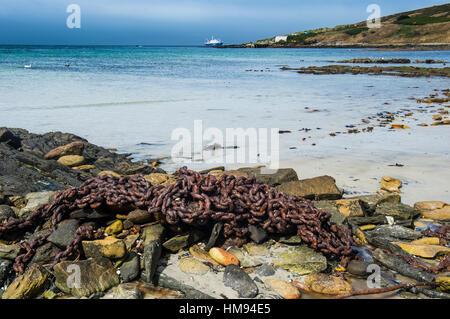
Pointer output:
x,y
152,254
29,285
428,205
301,260
110,247
45,254
390,184
64,233
153,232
325,284
130,269
139,216
322,187
421,250
397,210
239,281
284,289
85,277
74,148
34,200
115,228
160,179
394,231
278,177
178,242
9,251
6,212
442,214
71,160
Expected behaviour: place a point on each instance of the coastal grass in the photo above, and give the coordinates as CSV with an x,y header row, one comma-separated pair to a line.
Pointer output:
x,y
420,20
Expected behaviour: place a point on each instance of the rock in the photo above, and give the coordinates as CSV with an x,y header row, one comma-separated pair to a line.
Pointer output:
x,y
153,232
45,254
443,283
284,289
189,292
112,173
265,270
124,291
193,266
178,242
215,233
2,197
426,241
5,270
245,260
390,184
429,205
9,251
358,268
34,200
83,167
85,277
322,187
223,257
397,210
442,214
130,269
329,285
130,240
74,148
115,228
257,234
257,250
160,179
239,281
71,160
202,254
394,231
399,265
28,285
215,169
425,251
331,207
110,247
290,240
280,176
9,138
350,207
139,216
64,233
6,212
301,260
235,173
152,254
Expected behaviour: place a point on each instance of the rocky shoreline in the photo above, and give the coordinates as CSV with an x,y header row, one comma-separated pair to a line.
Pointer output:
x,y
134,256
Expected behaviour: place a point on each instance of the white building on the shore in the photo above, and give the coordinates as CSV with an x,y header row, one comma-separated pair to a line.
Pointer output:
x,y
279,38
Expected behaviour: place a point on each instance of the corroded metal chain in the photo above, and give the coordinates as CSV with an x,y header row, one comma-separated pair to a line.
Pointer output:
x,y
443,233
193,200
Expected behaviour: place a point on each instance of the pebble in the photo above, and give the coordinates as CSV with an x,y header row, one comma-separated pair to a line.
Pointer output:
x,y
152,254
29,285
109,247
265,270
358,268
192,266
284,289
71,160
223,257
130,269
325,284
64,233
115,228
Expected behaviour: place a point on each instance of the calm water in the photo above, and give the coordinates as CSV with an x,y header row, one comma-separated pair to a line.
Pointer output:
x,y
132,98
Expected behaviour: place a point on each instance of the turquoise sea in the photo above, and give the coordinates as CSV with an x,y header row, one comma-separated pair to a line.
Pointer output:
x,y
132,98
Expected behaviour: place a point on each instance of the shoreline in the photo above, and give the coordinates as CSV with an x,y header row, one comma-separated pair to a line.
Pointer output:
x,y
375,47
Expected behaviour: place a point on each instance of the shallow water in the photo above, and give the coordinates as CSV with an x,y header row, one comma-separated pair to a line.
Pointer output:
x,y
132,98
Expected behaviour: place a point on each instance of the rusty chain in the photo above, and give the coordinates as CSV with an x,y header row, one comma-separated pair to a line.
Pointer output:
x,y
193,200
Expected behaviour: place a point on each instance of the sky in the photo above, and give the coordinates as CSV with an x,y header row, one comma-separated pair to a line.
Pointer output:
x,y
179,22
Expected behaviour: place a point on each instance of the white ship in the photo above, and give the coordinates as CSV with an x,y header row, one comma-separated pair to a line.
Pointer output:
x,y
213,42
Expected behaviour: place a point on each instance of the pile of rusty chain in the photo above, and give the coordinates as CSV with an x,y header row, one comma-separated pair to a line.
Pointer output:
x,y
443,233
193,200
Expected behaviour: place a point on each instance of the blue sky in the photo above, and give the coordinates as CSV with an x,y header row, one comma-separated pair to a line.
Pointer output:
x,y
172,22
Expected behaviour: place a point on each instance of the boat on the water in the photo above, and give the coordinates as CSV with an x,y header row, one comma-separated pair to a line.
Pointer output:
x,y
213,42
